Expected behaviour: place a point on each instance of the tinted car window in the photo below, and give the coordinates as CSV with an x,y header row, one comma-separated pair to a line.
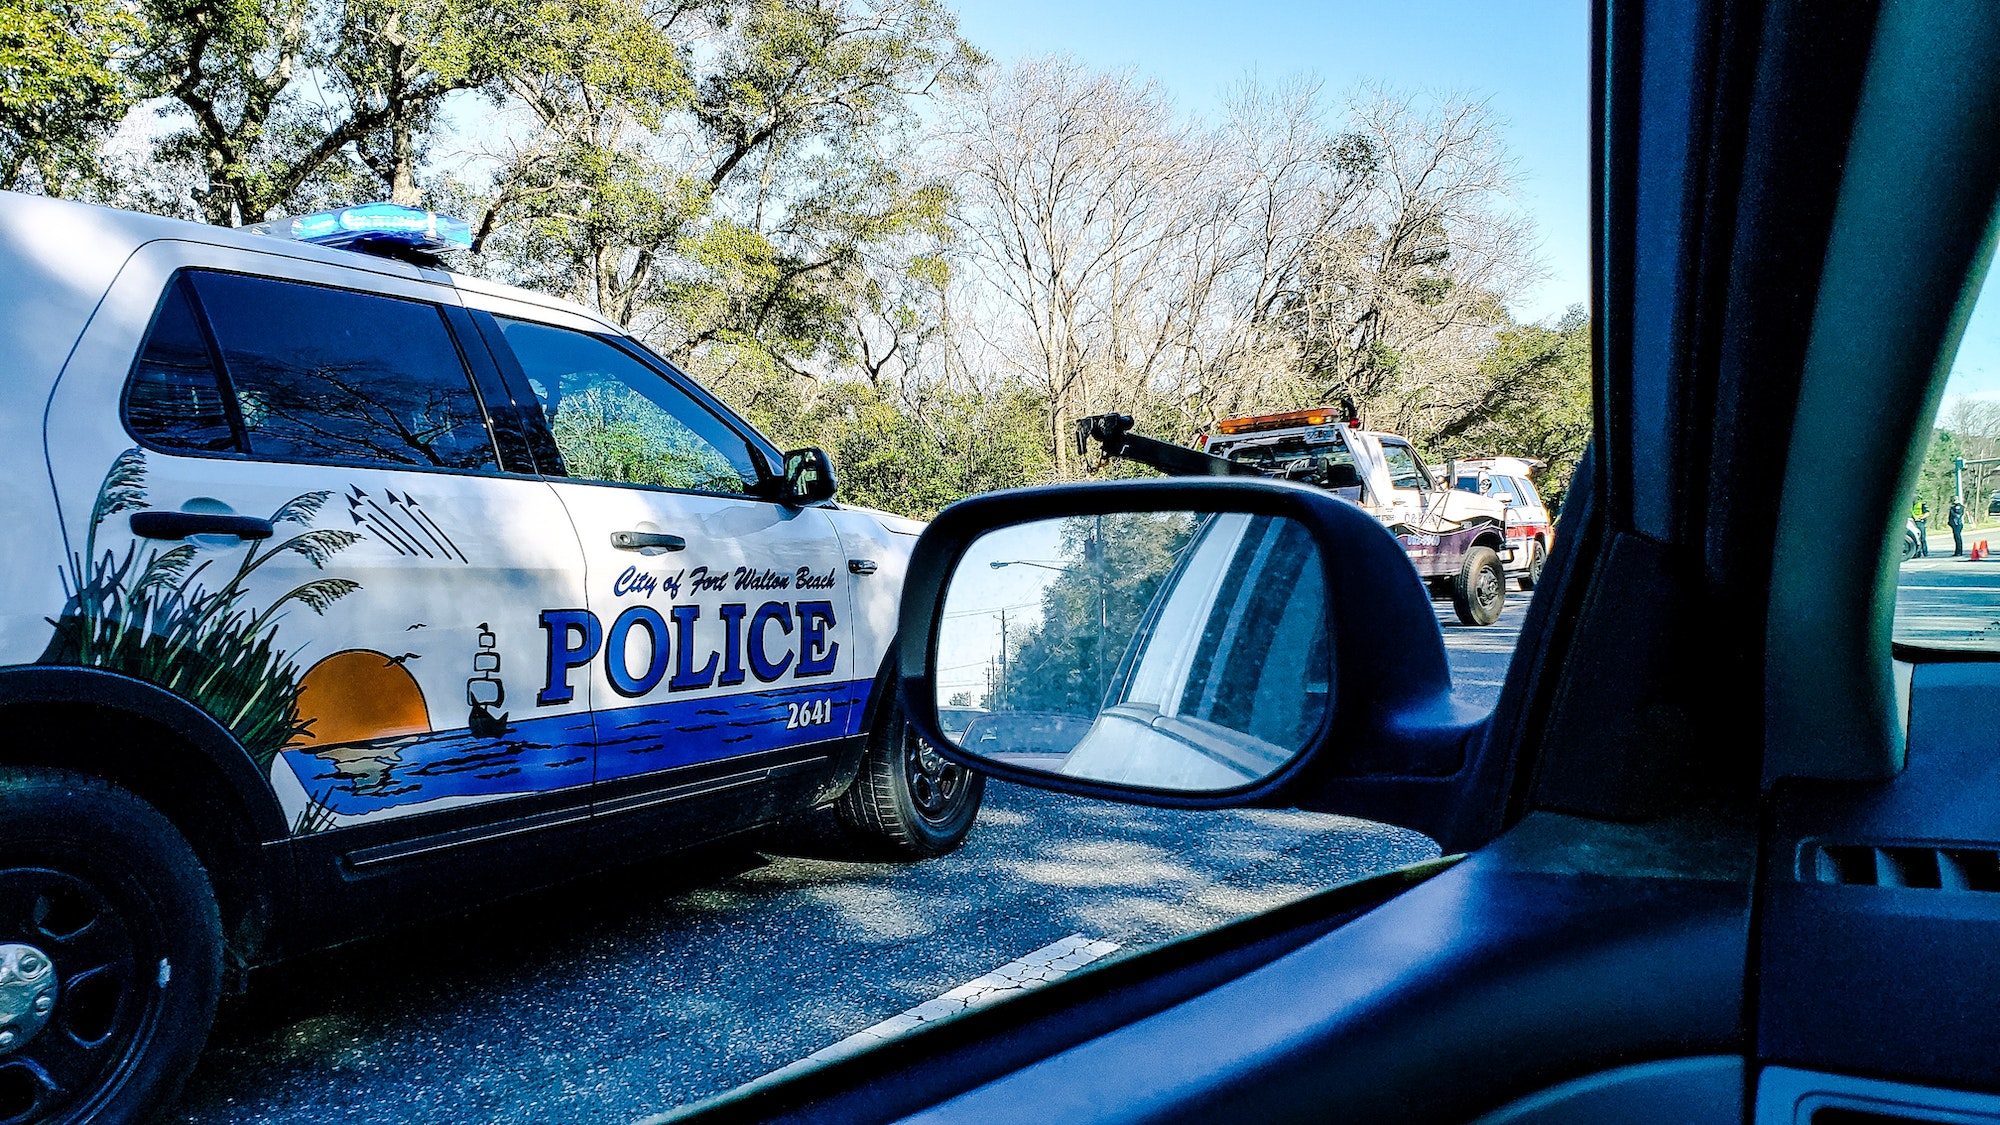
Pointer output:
x,y
175,398
325,374
616,419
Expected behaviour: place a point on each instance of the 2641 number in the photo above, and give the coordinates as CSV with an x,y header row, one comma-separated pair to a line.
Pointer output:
x,y
811,713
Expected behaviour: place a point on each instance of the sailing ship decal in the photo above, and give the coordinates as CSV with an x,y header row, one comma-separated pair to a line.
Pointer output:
x,y
484,692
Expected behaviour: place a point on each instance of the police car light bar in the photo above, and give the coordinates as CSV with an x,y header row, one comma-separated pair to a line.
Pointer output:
x,y
381,227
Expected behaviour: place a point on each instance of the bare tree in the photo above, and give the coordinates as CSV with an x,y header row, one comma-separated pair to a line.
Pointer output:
x,y
1397,308
1078,200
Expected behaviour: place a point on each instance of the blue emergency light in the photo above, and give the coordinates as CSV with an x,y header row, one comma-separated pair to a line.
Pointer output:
x,y
389,228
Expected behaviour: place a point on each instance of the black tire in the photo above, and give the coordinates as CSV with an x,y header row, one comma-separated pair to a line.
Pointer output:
x,y
101,886
1536,558
1479,592
908,798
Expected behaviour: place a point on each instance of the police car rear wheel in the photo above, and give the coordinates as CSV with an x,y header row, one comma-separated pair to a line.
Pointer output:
x,y
908,797
1479,592
110,952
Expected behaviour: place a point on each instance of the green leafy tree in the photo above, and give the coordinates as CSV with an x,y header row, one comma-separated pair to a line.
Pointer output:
x,y
712,176
1936,481
1530,397
61,91
399,60
1091,611
250,79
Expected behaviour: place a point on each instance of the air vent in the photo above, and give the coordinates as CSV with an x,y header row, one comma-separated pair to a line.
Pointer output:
x,y
1901,865
1837,1115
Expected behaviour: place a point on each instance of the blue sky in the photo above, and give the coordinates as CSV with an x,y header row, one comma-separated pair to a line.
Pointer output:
x,y
1976,374
1532,60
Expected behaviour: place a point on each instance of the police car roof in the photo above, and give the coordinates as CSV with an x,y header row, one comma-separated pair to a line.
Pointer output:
x,y
1506,466
69,235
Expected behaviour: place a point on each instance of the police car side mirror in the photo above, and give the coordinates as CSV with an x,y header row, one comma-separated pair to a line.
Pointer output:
x,y
1191,642
808,477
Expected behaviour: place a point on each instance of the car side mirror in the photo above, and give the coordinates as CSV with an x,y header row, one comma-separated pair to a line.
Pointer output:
x,y
808,477
1194,642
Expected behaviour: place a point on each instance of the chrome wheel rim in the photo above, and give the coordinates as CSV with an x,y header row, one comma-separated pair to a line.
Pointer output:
x,y
937,785
1486,591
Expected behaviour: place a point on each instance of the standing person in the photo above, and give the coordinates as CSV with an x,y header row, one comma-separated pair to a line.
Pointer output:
x,y
1920,514
1955,516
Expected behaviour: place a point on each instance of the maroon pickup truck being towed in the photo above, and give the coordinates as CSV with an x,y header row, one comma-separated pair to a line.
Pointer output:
x,y
1457,540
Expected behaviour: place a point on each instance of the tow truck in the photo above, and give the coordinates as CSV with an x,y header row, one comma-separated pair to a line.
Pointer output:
x,y
1457,540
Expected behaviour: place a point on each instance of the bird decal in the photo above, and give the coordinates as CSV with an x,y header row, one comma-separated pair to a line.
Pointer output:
x,y
401,522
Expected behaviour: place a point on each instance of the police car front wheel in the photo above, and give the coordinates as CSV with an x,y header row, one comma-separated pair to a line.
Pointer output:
x,y
908,797
110,951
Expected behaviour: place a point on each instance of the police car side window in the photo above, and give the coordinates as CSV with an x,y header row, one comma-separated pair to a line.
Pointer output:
x,y
324,374
175,398
619,421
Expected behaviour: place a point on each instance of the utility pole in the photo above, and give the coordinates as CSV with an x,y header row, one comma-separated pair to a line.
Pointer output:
x,y
1958,465
1003,658
1103,604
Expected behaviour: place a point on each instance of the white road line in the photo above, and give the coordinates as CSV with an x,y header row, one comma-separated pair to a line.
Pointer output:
x,y
1029,971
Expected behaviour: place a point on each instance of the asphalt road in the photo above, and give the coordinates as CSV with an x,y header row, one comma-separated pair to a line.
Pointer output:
x,y
637,991
1949,603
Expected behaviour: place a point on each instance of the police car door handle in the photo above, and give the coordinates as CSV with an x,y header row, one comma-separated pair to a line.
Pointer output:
x,y
180,525
641,540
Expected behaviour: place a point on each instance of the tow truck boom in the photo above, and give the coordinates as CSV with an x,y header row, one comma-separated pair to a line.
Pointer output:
x,y
1114,433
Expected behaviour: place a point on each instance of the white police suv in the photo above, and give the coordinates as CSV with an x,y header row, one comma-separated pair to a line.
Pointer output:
x,y
343,590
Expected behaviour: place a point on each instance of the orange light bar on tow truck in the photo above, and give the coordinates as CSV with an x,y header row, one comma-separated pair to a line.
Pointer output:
x,y
1319,416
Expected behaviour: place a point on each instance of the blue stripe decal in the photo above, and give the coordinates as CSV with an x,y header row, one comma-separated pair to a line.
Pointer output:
x,y
683,732
540,755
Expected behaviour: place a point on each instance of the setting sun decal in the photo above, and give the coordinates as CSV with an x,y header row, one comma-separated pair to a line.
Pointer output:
x,y
358,695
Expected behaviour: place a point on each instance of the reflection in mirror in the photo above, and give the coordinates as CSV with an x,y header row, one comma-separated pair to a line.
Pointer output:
x,y
1170,650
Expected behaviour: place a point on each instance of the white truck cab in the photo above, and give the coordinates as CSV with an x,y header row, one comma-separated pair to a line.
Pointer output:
x,y
1457,540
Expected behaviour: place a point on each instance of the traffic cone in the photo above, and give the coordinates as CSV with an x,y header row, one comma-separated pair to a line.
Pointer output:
x,y
1973,555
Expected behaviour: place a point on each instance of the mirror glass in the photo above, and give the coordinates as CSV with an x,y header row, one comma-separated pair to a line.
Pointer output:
x,y
1168,650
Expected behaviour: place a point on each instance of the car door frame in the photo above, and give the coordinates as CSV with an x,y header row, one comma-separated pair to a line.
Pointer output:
x,y
687,805
367,876
1614,764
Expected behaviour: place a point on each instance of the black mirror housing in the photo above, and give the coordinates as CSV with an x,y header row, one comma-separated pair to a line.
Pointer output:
x,y
1394,739
809,477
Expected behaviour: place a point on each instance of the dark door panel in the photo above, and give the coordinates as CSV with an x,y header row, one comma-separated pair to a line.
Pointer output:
x,y
360,880
683,807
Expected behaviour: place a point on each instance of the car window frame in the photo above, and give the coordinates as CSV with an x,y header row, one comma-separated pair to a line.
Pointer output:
x,y
542,441
227,385
1423,473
